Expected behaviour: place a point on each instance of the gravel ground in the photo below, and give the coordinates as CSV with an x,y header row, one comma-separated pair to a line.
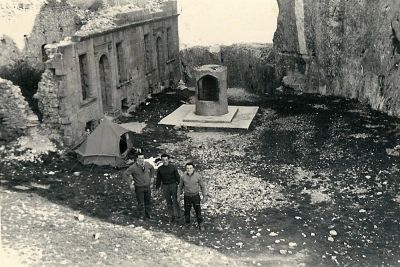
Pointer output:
x,y
309,184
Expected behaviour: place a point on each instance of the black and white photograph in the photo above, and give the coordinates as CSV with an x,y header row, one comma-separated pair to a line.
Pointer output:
x,y
185,133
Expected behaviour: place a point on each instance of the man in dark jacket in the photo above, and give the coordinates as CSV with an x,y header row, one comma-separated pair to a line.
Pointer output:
x,y
168,176
139,176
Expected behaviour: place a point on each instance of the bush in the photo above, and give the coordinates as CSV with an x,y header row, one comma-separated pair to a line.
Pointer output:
x,y
21,73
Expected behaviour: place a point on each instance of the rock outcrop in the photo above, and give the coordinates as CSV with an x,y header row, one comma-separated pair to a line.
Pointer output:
x,y
343,48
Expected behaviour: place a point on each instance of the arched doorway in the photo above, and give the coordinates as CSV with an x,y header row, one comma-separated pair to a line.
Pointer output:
x,y
208,88
160,59
105,83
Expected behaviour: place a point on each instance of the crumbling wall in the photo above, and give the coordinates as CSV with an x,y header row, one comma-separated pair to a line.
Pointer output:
x,y
55,21
249,66
344,48
48,95
16,118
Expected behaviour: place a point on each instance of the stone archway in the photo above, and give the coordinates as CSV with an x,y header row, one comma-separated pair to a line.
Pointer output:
x,y
208,88
105,83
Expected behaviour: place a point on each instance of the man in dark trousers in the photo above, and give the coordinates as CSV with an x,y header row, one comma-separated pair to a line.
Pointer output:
x,y
191,184
139,176
168,176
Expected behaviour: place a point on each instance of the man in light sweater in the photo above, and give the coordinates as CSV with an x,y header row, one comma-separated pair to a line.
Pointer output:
x,y
139,177
191,184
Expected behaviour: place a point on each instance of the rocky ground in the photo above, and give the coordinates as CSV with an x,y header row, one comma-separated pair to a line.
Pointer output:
x,y
311,183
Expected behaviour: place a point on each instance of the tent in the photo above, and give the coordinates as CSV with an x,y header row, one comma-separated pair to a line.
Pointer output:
x,y
108,144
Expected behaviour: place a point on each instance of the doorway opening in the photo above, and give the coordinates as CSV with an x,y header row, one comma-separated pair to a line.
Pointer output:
x,y
208,88
105,83
160,59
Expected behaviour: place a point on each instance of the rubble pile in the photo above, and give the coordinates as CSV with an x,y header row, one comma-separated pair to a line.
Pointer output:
x,y
15,113
237,193
106,18
395,152
29,148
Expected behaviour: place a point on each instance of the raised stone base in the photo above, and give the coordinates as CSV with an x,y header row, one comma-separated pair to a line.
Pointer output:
x,y
184,116
191,116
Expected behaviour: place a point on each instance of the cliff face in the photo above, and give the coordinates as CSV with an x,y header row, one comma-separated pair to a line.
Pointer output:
x,y
340,47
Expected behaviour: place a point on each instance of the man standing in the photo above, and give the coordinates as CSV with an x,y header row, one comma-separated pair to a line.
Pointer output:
x,y
191,183
168,176
139,176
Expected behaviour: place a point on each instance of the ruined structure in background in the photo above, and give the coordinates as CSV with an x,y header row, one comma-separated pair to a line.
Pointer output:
x,y
251,66
344,48
108,68
55,21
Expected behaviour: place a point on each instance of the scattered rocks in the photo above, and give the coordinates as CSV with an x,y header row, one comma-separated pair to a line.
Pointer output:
x,y
240,244
360,136
283,251
394,152
79,217
332,232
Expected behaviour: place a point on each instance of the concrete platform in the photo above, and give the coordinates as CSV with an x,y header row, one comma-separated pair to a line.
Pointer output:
x,y
241,120
192,117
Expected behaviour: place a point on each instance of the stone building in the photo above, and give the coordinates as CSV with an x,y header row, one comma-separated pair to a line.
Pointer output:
x,y
106,70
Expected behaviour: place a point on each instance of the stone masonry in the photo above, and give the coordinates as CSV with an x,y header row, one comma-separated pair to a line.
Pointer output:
x,y
104,70
55,21
16,117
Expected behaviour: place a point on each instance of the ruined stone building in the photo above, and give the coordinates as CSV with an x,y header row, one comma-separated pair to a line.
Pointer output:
x,y
54,22
102,63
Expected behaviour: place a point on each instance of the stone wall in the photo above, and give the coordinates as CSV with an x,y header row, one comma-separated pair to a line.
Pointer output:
x,y
344,48
100,70
249,66
55,21
16,118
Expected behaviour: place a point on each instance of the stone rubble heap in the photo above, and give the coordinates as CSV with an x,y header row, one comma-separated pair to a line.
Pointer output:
x,y
233,191
108,17
15,114
30,148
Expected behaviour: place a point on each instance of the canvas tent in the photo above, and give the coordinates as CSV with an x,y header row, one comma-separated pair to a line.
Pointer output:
x,y
108,144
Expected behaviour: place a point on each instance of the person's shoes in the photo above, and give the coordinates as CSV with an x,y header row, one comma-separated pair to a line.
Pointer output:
x,y
187,225
172,219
